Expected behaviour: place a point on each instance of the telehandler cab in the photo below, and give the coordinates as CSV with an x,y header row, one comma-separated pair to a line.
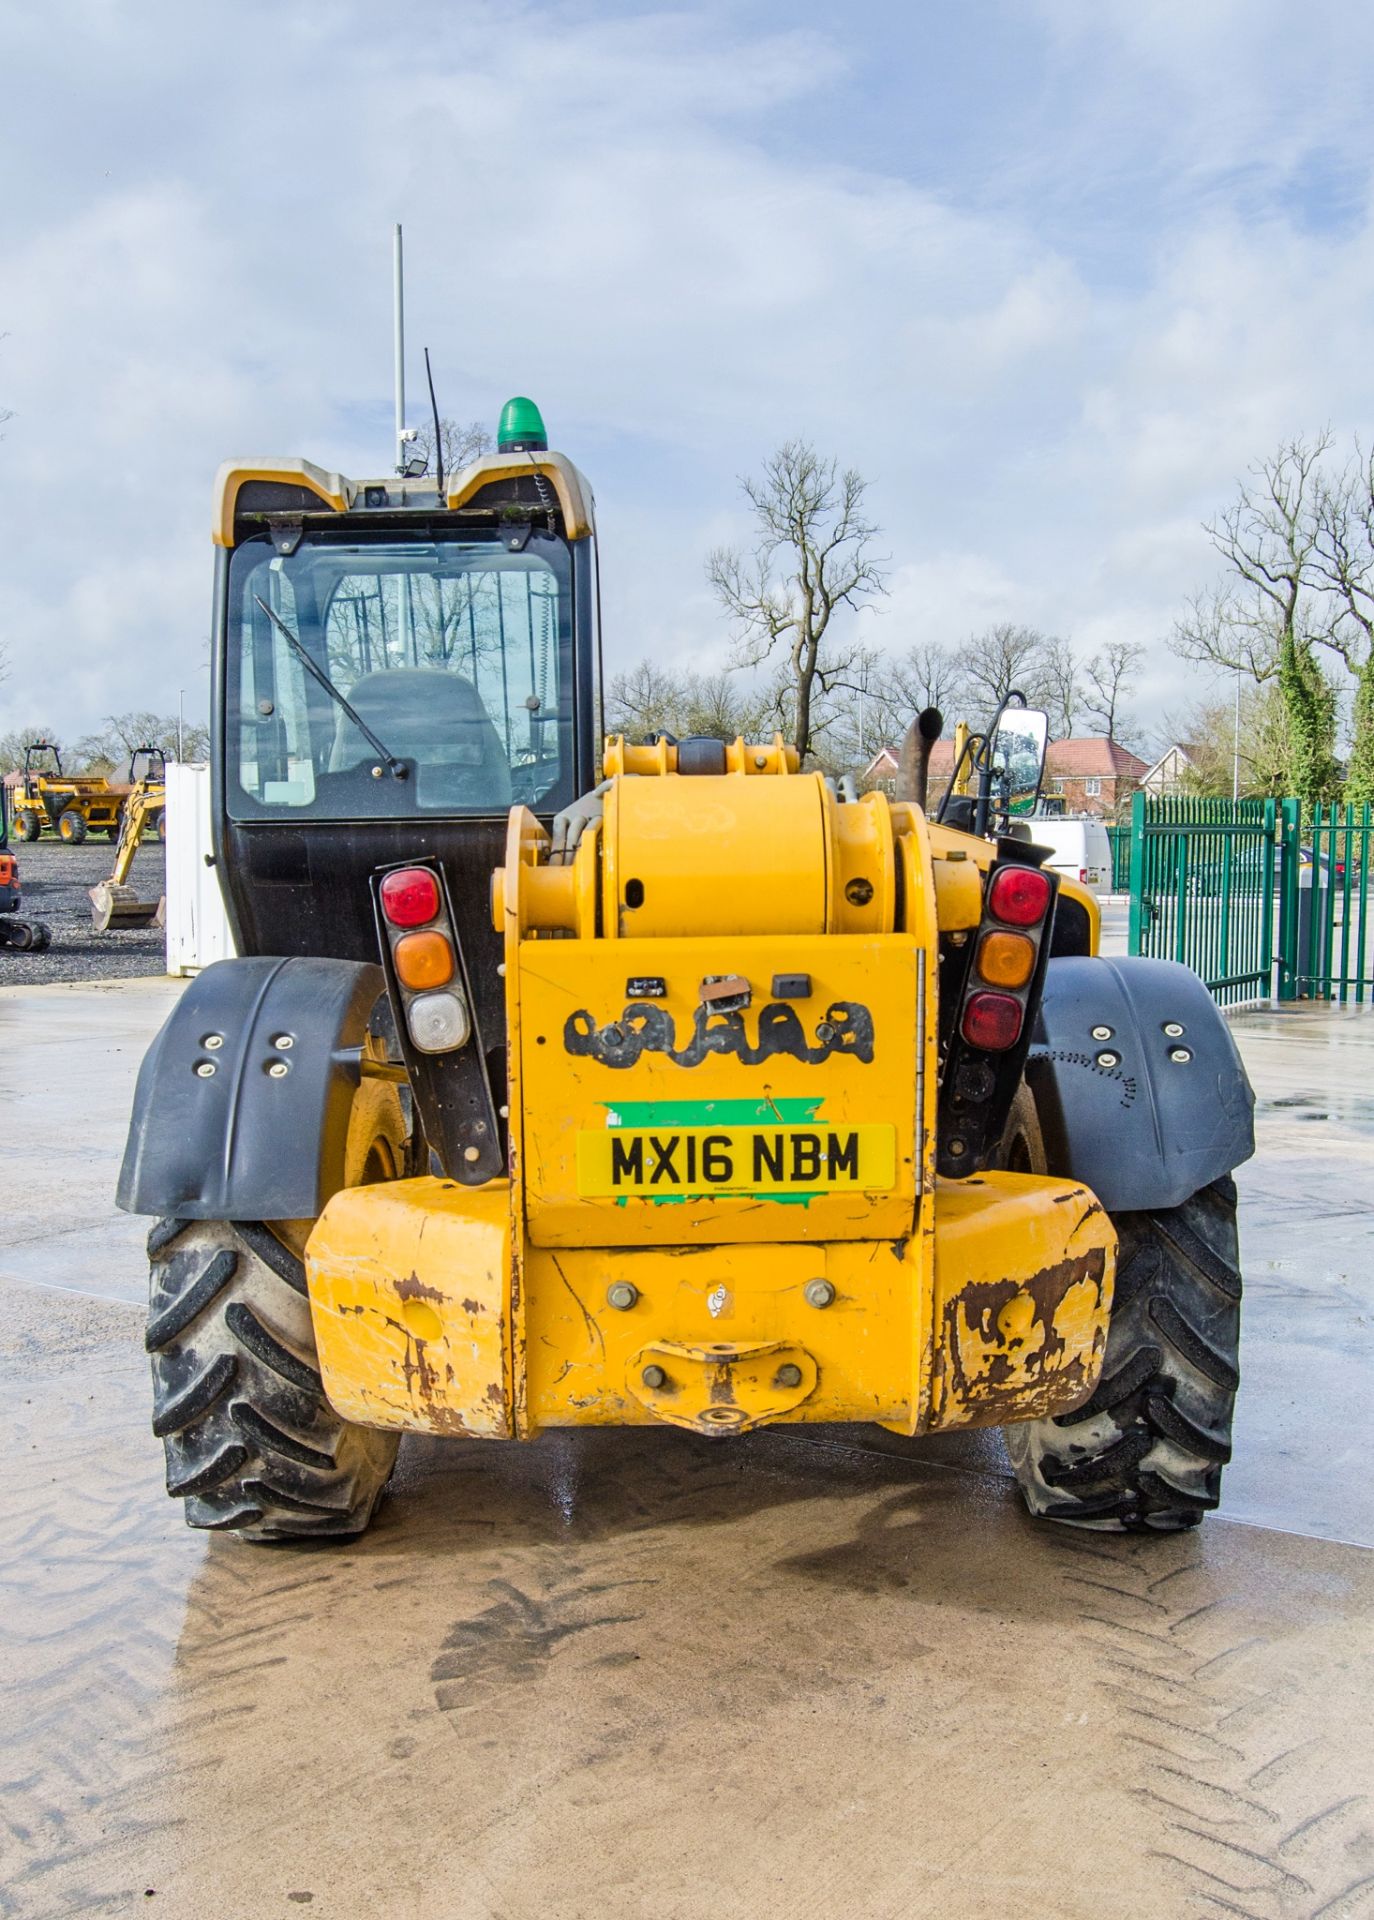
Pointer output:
x,y
727,1101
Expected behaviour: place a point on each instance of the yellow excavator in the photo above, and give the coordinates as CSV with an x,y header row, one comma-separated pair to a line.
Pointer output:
x,y
115,905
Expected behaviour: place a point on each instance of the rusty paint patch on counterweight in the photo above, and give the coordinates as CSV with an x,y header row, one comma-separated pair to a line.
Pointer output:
x,y
1007,1358
415,1288
421,1377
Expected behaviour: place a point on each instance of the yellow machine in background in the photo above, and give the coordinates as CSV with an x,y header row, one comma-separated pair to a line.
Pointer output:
x,y
114,903
723,1206
73,805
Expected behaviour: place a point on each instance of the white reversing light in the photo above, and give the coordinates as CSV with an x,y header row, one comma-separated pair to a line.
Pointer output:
x,y
438,1022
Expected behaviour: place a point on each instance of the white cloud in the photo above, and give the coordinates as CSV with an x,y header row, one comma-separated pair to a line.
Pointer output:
x,y
605,214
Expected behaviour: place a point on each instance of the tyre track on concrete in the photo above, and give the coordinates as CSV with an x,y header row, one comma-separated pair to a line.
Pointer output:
x,y
1251,1822
838,1676
90,1625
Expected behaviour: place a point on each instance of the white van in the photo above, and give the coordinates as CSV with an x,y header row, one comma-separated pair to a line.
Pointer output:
x,y
1080,850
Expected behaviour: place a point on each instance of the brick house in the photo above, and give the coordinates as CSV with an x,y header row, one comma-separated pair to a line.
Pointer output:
x,y
1093,775
881,771
1173,772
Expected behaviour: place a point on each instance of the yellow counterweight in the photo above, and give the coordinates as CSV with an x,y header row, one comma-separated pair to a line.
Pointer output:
x,y
721,1207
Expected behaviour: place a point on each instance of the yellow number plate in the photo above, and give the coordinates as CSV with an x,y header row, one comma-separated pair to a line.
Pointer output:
x,y
662,1161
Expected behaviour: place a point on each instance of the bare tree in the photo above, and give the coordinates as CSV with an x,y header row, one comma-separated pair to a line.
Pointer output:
x,y
644,699
812,554
719,706
1060,688
1208,732
1344,550
1267,539
647,698
1265,621
109,750
460,444
1000,658
13,744
1110,677
930,674
1218,628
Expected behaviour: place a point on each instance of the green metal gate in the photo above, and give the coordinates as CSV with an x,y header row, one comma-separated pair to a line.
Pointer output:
x,y
1259,898
1119,839
1203,889
1326,947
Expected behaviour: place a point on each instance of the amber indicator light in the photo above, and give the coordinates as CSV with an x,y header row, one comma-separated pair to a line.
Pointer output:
x,y
423,960
1006,959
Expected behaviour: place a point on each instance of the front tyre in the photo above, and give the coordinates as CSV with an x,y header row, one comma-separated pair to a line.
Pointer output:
x,y
1145,1452
252,1444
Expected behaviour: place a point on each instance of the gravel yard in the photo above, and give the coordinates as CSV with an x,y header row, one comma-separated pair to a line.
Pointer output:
x,y
56,880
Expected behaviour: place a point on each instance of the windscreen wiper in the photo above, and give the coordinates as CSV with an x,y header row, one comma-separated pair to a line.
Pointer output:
x,y
396,768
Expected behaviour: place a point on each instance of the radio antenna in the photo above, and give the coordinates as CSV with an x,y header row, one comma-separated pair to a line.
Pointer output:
x,y
438,437
398,333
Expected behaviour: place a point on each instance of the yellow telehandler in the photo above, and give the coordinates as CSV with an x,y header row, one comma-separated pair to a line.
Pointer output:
x,y
560,1084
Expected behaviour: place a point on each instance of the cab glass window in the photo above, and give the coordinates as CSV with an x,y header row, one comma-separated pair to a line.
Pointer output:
x,y
454,654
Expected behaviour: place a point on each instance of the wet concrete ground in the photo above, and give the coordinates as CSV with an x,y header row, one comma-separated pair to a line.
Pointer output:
x,y
616,1675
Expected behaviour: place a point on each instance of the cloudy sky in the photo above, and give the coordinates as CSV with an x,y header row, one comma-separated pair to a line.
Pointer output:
x,y
1051,273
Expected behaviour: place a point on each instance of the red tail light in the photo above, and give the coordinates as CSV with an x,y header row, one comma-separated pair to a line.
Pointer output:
x,y
992,1021
1019,895
410,897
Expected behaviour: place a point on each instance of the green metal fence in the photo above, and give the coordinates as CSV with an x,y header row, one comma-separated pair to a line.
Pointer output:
x,y
1120,840
1202,876
1326,946
1260,897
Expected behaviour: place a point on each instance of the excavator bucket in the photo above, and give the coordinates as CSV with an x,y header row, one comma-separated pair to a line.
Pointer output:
x,y
114,908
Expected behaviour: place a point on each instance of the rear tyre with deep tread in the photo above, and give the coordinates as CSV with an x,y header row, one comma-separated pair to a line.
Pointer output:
x,y
1144,1454
252,1444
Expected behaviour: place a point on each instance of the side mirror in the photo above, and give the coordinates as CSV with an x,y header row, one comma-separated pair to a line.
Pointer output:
x,y
1018,759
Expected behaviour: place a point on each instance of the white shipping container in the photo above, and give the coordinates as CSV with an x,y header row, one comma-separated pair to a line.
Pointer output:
x,y
197,925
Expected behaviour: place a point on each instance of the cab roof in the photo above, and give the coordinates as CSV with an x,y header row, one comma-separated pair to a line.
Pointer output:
x,y
272,487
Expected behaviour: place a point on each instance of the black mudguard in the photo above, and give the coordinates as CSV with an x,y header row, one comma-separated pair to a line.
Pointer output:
x,y
1123,1110
242,1143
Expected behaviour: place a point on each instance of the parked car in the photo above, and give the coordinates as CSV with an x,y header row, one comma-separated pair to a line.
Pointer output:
x,y
1305,858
